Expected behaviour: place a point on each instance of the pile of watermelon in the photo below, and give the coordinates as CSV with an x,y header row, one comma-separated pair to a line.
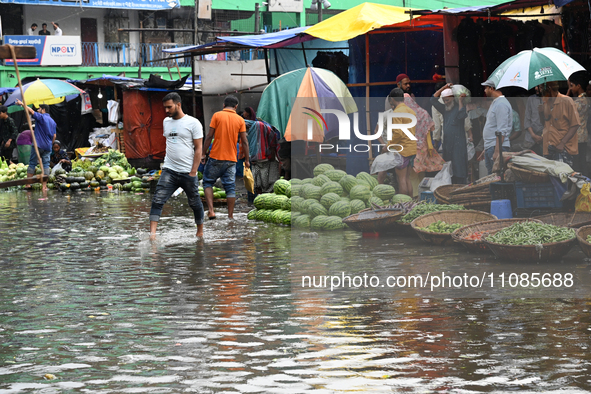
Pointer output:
x,y
321,203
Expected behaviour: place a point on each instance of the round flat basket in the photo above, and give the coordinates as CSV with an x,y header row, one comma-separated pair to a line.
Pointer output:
x,y
462,235
368,220
442,193
582,234
528,176
566,219
451,217
531,253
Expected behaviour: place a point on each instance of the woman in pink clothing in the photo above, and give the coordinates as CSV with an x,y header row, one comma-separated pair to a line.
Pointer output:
x,y
427,159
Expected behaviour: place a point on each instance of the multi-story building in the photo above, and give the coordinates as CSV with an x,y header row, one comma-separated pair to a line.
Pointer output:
x,y
105,49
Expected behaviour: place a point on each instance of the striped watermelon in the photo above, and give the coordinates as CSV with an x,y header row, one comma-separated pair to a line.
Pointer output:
x,y
280,186
333,223
331,187
401,198
295,181
313,192
373,182
318,222
320,180
286,218
288,191
356,206
316,209
286,206
322,168
335,175
295,189
306,180
296,202
276,216
251,214
295,214
364,183
305,205
328,199
346,199
360,192
375,200
278,201
258,201
302,221
341,209
385,192
348,182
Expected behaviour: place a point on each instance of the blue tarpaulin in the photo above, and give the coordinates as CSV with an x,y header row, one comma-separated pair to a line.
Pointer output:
x,y
269,40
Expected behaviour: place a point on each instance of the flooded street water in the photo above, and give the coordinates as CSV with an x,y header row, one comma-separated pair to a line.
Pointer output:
x,y
86,297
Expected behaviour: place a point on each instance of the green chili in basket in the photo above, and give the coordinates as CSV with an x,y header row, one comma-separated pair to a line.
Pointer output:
x,y
530,233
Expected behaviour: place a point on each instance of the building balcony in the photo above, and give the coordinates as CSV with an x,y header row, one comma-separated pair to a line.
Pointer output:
x,y
146,55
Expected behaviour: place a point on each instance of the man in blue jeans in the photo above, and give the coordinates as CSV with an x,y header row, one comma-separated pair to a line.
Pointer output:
x,y
184,136
45,128
498,118
225,129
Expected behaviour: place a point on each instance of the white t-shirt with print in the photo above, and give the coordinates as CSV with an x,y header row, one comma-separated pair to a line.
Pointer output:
x,y
180,150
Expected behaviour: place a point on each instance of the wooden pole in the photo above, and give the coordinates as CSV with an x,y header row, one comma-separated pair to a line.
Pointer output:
x,y
18,77
367,102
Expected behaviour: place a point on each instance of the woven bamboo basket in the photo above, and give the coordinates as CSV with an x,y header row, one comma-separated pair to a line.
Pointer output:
x,y
380,221
479,185
450,217
566,219
489,226
530,253
582,234
442,193
528,176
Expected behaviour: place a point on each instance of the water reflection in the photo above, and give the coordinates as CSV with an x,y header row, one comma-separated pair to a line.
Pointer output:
x,y
86,297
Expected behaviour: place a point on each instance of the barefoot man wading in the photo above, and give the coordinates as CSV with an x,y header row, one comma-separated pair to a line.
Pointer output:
x,y
184,139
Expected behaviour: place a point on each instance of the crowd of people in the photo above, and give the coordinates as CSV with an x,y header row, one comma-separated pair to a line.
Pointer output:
x,y
551,124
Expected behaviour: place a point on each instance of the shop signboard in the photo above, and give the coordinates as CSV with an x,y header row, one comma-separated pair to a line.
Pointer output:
x,y
125,4
51,50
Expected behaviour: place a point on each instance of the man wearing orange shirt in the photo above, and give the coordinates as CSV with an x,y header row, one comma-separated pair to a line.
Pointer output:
x,y
225,129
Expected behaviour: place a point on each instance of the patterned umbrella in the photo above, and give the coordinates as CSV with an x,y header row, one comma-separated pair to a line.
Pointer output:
x,y
534,67
295,98
45,91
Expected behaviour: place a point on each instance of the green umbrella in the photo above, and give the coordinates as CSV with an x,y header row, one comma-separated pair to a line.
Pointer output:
x,y
534,67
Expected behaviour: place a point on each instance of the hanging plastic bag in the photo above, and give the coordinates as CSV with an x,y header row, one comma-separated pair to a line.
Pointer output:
x,y
471,150
583,203
56,167
386,161
443,177
248,180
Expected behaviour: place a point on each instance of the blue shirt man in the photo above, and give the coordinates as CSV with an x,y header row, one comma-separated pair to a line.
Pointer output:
x,y
499,118
45,128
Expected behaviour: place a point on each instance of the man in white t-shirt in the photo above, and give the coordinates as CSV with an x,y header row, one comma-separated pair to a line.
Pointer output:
x,y
184,141
56,27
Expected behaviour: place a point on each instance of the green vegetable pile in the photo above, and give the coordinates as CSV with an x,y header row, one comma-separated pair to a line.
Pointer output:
x,y
531,234
423,209
113,158
442,227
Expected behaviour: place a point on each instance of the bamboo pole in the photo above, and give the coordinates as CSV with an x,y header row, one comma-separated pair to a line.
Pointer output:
x,y
18,77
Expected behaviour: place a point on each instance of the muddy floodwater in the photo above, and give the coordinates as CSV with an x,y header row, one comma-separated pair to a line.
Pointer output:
x,y
88,304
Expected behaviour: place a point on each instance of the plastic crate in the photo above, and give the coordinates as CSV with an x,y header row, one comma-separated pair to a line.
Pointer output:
x,y
502,191
536,195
